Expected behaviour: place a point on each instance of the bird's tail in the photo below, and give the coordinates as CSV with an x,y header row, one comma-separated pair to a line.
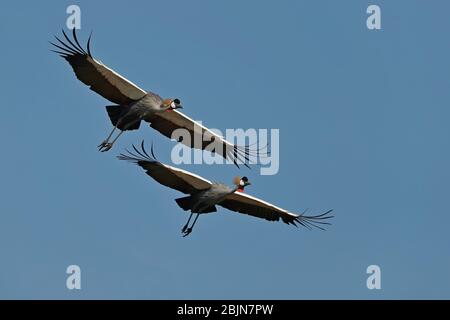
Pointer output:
x,y
185,203
118,112
114,113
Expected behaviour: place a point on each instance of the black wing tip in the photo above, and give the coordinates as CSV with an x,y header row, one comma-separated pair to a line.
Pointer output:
x,y
74,34
137,156
89,44
240,155
72,47
310,222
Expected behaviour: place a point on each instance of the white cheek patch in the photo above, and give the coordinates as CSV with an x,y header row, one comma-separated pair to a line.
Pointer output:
x,y
241,183
172,104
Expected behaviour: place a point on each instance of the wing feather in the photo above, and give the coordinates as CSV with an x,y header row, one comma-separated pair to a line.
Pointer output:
x,y
169,176
167,122
244,203
100,78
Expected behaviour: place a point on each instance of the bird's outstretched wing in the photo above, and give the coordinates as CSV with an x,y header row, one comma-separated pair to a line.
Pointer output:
x,y
101,79
244,203
171,177
112,86
168,122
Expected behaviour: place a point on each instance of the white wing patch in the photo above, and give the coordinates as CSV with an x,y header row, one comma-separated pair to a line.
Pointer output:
x,y
199,181
244,195
118,75
184,117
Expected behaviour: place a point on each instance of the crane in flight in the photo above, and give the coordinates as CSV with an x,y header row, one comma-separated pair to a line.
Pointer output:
x,y
132,105
204,195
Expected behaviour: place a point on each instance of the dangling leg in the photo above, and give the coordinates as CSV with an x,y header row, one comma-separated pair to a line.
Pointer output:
x,y
105,145
109,145
187,224
189,230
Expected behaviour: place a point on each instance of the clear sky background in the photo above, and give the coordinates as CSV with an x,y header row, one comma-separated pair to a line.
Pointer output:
x,y
364,129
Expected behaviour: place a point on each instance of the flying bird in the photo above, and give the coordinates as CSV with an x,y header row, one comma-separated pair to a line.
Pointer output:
x,y
204,195
132,105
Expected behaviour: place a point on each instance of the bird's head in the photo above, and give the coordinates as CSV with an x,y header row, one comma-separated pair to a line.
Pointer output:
x,y
241,183
171,104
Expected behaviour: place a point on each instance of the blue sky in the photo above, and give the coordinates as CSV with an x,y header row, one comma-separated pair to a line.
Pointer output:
x,y
363,118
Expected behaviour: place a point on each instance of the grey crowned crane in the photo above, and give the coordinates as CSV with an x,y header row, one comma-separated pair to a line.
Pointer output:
x,y
134,105
204,195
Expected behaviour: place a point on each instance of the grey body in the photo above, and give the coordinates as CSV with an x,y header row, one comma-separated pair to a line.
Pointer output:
x,y
207,199
139,110
129,116
149,104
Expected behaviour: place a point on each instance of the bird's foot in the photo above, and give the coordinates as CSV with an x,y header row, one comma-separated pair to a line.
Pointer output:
x,y
184,229
187,232
104,146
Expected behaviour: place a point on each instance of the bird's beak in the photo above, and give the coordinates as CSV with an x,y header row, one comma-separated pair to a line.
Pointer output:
x,y
247,183
179,107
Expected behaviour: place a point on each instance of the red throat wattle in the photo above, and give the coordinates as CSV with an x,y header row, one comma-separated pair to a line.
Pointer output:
x,y
240,189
